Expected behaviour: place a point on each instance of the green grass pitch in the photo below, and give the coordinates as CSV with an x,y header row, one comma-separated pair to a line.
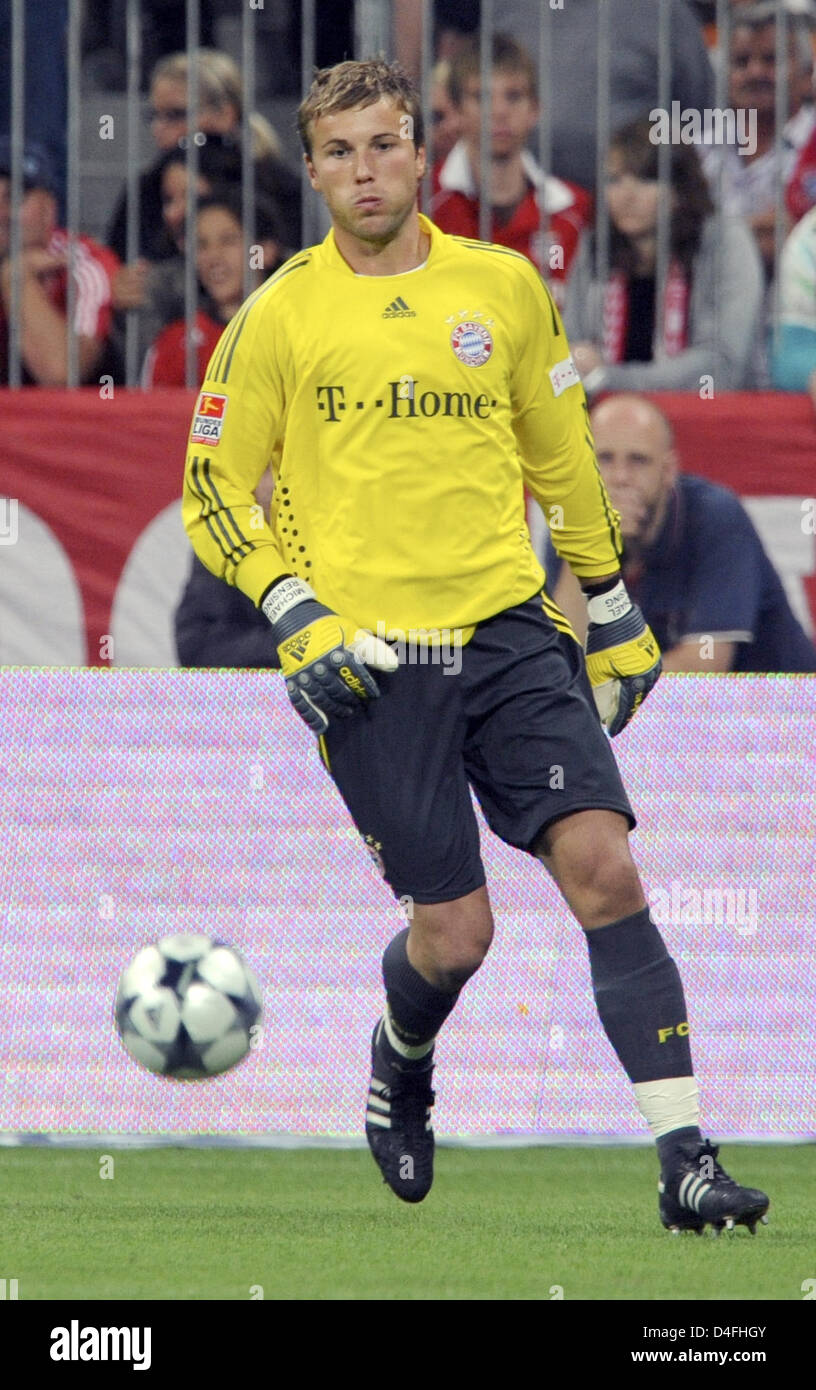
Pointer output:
x,y
510,1223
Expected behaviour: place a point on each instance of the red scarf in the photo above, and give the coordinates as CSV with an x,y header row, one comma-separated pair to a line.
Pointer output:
x,y
616,314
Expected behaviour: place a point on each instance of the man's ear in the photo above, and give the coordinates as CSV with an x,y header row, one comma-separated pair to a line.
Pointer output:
x,y
422,160
310,170
671,465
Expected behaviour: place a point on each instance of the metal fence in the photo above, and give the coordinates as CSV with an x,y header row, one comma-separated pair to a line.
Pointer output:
x,y
373,32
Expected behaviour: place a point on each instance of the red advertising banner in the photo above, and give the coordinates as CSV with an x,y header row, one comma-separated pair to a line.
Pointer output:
x,y
93,555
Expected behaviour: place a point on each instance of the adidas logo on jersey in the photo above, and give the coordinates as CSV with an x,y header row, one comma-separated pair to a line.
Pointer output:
x,y
398,309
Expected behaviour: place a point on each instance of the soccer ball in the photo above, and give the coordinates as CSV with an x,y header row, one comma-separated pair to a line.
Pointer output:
x,y
187,1007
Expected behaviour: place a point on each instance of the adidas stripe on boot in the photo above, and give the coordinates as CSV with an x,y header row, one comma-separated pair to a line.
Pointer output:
x,y
698,1191
398,1128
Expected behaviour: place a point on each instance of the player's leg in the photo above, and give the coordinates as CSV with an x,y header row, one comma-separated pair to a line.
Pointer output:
x,y
640,1001
400,771
540,759
424,969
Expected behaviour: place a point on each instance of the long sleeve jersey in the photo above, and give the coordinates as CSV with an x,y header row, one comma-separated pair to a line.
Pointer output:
x,y
403,416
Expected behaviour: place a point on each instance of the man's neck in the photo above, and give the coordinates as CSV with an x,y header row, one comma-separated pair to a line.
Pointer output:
x,y
765,127
508,181
405,251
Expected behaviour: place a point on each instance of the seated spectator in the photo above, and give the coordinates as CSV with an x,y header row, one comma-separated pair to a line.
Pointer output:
x,y
750,178
800,192
160,297
221,254
691,556
217,625
43,267
713,293
794,352
220,112
531,211
445,123
633,56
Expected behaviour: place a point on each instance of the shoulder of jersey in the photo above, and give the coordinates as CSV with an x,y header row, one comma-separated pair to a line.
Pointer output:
x,y
495,255
285,277
518,273
495,260
255,305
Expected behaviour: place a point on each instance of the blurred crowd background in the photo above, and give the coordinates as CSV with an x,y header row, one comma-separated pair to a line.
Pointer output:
x,y
729,290
147,184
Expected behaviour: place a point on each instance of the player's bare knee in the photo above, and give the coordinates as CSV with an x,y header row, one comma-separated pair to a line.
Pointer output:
x,y
452,939
608,873
453,974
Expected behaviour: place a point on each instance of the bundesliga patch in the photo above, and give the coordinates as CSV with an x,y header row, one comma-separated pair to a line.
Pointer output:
x,y
208,421
472,343
562,375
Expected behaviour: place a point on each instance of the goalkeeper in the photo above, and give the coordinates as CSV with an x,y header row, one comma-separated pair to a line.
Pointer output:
x,y
405,386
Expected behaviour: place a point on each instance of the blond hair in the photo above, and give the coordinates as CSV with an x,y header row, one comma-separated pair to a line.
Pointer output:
x,y
219,84
360,83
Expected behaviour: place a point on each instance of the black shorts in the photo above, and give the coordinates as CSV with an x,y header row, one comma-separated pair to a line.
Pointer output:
x,y
517,723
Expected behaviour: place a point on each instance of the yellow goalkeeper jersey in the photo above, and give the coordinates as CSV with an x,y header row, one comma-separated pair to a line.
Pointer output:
x,y
403,416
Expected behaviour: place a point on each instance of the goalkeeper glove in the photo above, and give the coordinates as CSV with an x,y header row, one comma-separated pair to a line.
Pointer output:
x,y
323,657
622,656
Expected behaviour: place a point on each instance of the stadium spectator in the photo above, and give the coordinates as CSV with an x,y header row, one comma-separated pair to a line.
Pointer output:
x,y
800,191
532,212
45,82
692,559
713,292
44,263
445,123
633,70
220,110
215,623
749,178
221,253
158,298
794,352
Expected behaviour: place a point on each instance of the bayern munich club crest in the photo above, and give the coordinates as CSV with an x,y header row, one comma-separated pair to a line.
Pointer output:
x,y
472,343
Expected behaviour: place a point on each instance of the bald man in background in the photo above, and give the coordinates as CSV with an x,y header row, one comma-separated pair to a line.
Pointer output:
x,y
692,558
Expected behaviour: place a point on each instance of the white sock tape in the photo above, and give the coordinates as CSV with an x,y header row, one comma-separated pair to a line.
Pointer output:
x,y
668,1104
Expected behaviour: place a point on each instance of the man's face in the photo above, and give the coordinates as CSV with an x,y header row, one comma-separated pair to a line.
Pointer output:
x,y
169,114
367,168
638,466
753,68
38,217
513,113
446,124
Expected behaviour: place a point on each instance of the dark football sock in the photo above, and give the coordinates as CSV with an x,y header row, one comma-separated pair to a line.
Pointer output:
x,y
640,999
415,1011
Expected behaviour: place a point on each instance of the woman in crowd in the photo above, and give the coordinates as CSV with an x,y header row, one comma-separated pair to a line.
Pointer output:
x,y
161,292
713,291
220,114
221,253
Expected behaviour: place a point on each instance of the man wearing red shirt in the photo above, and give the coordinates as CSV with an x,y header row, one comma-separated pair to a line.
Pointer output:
x,y
44,281
532,212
